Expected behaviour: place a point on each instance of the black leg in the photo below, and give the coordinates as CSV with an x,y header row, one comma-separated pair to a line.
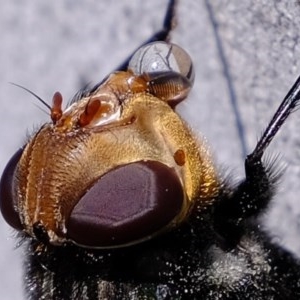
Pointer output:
x,y
162,35
254,193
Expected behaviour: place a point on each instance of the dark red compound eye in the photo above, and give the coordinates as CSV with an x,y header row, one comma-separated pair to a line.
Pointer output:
x,y
127,204
8,203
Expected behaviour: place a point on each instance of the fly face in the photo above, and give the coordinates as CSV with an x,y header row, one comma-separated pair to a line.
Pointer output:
x,y
116,167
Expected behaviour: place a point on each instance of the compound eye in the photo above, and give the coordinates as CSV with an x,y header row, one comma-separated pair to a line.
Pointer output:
x,y
8,203
128,204
161,57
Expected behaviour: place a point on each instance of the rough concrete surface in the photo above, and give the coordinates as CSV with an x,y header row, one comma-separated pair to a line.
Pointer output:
x,y
246,56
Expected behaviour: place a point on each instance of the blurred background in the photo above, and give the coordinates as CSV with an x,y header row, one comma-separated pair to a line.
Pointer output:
x,y
246,57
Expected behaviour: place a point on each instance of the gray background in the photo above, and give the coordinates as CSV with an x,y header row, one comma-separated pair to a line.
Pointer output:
x,y
61,45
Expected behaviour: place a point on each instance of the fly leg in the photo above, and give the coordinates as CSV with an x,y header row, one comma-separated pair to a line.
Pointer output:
x,y
255,192
162,35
